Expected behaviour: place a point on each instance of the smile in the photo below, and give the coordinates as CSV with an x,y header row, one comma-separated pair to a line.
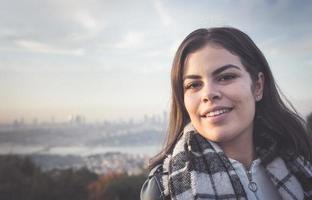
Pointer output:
x,y
217,112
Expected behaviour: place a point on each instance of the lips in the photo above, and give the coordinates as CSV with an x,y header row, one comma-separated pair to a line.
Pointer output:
x,y
216,111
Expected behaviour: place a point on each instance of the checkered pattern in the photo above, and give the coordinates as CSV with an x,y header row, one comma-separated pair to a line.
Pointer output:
x,y
199,169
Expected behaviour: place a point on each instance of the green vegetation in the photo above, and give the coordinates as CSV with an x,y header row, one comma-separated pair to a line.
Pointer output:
x,y
21,179
115,186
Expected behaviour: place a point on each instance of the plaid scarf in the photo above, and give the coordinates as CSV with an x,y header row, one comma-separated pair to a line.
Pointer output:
x,y
199,169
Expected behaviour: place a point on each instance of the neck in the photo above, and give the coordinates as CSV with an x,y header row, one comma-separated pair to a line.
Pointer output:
x,y
241,149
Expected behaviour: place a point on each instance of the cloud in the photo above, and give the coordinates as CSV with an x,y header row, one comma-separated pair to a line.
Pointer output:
x,y
86,20
140,37
287,45
166,19
132,39
38,47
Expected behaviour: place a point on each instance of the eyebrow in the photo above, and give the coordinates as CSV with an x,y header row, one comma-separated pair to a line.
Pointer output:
x,y
214,73
223,68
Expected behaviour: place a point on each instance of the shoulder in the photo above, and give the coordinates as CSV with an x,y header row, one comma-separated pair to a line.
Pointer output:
x,y
152,188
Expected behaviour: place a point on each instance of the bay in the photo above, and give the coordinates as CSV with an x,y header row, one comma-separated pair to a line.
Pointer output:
x,y
147,150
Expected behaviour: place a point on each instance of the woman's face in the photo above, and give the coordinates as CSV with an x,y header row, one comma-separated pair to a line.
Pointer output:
x,y
219,95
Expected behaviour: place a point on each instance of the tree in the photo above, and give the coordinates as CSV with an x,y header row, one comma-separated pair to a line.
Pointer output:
x,y
21,179
71,184
125,188
116,186
16,177
98,187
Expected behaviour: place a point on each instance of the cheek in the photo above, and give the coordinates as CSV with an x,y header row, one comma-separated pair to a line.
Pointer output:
x,y
190,103
242,93
245,102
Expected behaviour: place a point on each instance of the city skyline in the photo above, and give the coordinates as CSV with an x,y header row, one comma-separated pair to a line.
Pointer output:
x,y
109,60
81,119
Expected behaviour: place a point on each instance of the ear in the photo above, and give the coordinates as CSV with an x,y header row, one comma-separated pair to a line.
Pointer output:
x,y
258,87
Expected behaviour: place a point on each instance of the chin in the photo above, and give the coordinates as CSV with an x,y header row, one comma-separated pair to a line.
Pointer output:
x,y
216,136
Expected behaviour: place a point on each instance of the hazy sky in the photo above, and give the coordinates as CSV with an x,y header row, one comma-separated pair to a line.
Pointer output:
x,y
111,59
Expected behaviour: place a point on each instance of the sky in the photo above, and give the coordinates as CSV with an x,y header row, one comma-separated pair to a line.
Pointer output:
x,y
108,60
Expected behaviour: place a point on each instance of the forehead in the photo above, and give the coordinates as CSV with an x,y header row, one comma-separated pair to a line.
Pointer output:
x,y
210,58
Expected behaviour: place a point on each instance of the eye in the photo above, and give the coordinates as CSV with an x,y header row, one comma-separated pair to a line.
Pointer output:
x,y
226,77
192,85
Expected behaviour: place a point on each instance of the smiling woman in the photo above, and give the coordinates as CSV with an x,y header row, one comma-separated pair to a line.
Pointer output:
x,y
220,100
230,135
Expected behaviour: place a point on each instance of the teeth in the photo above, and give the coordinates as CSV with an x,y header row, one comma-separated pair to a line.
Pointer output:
x,y
217,112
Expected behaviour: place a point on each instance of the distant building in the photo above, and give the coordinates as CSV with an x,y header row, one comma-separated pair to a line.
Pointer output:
x,y
77,119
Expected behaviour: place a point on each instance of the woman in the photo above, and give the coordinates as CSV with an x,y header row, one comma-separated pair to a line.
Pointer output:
x,y
230,134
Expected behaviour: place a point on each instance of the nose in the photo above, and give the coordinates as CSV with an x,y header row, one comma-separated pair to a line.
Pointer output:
x,y
211,93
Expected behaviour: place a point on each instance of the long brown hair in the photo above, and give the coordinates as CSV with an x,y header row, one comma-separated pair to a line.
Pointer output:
x,y
285,125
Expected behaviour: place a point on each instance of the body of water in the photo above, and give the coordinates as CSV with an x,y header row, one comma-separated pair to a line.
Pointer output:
x,y
8,148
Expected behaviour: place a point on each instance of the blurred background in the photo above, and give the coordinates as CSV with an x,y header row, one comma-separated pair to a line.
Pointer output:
x,y
85,85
